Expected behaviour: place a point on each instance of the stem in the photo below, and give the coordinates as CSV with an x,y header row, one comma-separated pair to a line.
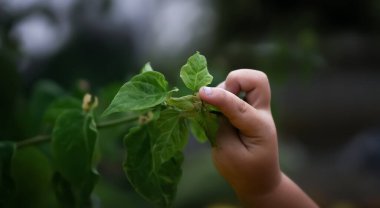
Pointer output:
x,y
45,138
33,141
115,122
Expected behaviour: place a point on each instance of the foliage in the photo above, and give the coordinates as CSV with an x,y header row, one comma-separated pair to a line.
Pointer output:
x,y
153,162
158,131
6,182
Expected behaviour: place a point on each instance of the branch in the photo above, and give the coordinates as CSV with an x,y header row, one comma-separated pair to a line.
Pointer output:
x,y
45,138
33,141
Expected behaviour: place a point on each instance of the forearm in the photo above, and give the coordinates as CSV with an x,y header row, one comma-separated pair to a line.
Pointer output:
x,y
286,195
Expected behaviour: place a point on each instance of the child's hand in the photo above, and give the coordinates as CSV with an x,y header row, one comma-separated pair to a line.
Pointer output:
x,y
246,152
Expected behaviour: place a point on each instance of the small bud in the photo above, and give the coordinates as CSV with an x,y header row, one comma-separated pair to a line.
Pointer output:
x,y
89,102
146,118
86,102
143,120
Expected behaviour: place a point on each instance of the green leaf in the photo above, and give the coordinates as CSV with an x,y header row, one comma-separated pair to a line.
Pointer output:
x,y
171,135
194,73
184,103
157,184
7,150
73,142
197,130
69,195
44,93
32,171
147,67
210,125
204,126
59,106
143,91
63,191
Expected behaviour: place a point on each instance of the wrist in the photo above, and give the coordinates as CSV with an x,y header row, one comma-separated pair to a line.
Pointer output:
x,y
263,176
286,194
260,192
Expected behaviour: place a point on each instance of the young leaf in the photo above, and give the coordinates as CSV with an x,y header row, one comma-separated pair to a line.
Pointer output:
x,y
7,150
143,91
194,73
171,135
157,184
73,143
184,103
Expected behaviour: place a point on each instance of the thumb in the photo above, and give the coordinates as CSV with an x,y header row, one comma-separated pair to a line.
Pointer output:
x,y
240,114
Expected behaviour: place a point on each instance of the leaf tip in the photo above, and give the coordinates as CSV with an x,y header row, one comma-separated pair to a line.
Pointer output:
x,y
147,67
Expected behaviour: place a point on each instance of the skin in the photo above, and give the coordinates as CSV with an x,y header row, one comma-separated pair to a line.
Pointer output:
x,y
246,152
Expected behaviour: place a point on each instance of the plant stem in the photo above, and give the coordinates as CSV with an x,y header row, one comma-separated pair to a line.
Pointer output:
x,y
115,122
45,138
33,141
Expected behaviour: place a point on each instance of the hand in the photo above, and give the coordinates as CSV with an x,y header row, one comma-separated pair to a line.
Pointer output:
x,y
246,152
246,146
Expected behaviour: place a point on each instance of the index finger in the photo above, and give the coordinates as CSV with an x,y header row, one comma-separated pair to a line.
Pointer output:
x,y
254,83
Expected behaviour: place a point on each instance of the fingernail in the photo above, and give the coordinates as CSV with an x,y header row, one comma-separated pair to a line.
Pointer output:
x,y
207,91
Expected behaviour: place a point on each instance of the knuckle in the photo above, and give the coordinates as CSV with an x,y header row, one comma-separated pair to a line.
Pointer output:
x,y
232,80
233,75
261,77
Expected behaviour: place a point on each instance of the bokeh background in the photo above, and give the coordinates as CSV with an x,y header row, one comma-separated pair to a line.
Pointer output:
x,y
322,59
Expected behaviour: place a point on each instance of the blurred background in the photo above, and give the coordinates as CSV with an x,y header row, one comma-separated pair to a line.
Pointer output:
x,y
322,59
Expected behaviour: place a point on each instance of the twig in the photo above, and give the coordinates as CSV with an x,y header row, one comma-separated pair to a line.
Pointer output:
x,y
33,141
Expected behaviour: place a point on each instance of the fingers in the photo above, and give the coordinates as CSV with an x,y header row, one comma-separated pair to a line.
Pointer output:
x,y
254,83
227,140
222,85
239,113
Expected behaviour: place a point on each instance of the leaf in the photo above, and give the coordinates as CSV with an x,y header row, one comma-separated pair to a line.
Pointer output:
x,y
63,191
44,93
197,130
73,142
32,171
7,150
210,126
157,184
185,103
143,91
170,135
59,106
69,195
204,126
194,73
147,67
